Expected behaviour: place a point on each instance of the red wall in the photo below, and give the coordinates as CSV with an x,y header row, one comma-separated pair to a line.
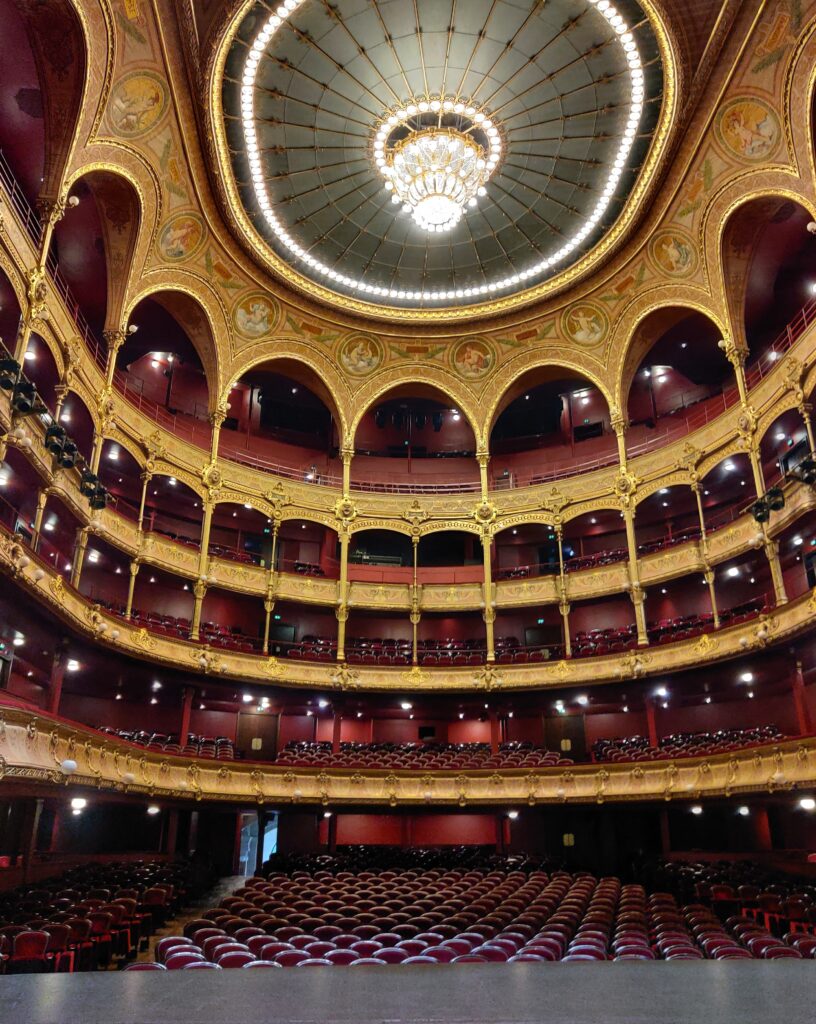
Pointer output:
x,y
414,830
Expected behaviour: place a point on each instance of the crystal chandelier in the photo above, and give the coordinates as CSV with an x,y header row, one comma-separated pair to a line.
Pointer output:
x,y
436,157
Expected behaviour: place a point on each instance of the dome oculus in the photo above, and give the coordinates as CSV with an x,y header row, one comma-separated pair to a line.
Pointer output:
x,y
460,169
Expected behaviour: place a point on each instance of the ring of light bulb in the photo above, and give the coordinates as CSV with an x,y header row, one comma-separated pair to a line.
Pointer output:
x,y
436,171
279,19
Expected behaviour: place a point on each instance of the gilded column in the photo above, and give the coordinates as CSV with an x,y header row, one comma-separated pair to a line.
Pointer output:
x,y
146,477
347,454
563,593
704,553
200,585
216,421
635,589
342,610
805,410
483,458
42,498
134,572
489,601
79,555
50,211
271,588
416,614
114,340
736,355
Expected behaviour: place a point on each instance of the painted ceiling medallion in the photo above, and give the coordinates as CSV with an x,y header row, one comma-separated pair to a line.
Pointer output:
x,y
503,150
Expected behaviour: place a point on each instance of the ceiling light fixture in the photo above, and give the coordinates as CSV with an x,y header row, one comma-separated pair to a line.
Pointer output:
x,y
437,208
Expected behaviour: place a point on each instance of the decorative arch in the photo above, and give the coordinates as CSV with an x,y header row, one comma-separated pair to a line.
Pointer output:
x,y
59,46
199,315
395,381
644,318
319,374
530,369
119,206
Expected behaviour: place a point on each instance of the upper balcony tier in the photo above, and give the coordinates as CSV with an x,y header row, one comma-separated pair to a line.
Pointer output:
x,y
551,430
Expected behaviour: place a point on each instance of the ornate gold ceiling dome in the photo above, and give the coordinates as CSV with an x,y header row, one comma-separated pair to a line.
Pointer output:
x,y
432,157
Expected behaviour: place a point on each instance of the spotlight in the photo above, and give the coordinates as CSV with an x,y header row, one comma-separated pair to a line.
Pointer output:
x,y
513,815
807,803
79,803
743,811
153,810
696,809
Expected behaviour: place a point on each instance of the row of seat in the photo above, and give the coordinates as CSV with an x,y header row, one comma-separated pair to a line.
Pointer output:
x,y
88,917
325,918
405,756
695,744
219,748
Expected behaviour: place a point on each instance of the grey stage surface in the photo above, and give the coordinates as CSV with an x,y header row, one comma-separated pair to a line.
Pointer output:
x,y
686,992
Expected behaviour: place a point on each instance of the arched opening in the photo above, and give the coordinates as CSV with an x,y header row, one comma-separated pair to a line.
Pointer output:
x,y
240,533
9,314
769,266
78,423
307,549
594,539
666,518
783,446
551,422
40,368
675,376
106,574
92,247
530,549
728,491
413,438
383,556
165,362
282,416
173,509
41,83
120,474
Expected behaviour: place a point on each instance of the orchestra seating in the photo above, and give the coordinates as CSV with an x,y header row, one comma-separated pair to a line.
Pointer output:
x,y
91,917
336,912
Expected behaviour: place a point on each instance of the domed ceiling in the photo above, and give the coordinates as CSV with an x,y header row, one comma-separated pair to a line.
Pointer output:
x,y
424,154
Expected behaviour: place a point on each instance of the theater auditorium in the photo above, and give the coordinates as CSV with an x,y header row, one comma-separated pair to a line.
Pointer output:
x,y
407,511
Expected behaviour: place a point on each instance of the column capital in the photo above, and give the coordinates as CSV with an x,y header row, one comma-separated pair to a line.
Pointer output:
x,y
218,415
347,453
115,339
734,353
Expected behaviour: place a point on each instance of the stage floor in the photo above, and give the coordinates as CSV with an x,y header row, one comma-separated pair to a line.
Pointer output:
x,y
686,992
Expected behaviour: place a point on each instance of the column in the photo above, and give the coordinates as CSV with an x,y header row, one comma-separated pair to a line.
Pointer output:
x,y
347,454
42,498
187,697
736,356
772,554
804,720
271,582
804,412
134,572
114,340
618,423
563,597
761,828
146,477
50,211
342,593
416,614
200,585
634,575
337,725
216,420
489,606
61,393
483,458
79,555
709,574
57,676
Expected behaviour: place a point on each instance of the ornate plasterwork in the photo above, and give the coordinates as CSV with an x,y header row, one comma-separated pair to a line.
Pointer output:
x,y
32,750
